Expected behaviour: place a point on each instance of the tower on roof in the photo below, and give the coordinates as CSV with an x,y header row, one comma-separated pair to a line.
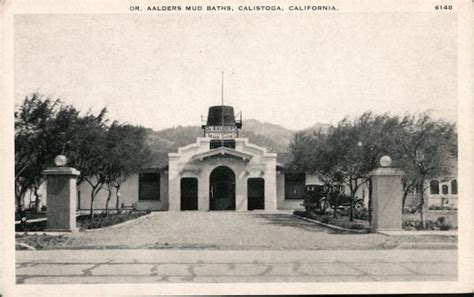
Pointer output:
x,y
222,126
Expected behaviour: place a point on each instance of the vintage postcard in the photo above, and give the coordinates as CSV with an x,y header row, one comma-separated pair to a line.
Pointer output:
x,y
236,147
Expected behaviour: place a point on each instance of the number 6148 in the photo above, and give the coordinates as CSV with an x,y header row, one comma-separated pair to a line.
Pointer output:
x,y
443,7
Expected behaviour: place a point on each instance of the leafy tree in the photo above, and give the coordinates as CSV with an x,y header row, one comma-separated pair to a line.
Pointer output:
x,y
429,151
356,146
87,151
105,155
35,148
350,150
311,153
302,151
45,128
127,152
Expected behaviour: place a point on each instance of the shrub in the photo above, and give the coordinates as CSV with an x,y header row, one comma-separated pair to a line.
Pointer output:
x,y
443,225
102,220
409,224
325,219
25,226
441,207
439,224
299,212
357,226
362,214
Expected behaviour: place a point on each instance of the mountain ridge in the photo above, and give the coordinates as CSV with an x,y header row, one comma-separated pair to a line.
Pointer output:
x,y
274,137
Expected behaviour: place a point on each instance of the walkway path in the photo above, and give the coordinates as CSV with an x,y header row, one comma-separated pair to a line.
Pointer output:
x,y
204,266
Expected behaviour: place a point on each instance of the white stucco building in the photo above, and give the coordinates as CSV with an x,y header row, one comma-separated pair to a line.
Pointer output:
x,y
219,171
222,171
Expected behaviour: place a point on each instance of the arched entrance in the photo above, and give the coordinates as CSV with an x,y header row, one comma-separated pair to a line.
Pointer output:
x,y
222,189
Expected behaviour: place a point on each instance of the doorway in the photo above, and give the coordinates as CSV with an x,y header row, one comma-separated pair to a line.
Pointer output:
x,y
189,193
222,189
255,193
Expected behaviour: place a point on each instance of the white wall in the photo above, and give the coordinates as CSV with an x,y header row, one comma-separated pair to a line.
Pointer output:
x,y
261,164
128,191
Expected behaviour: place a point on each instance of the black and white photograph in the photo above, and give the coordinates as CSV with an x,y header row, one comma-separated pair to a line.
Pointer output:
x,y
158,147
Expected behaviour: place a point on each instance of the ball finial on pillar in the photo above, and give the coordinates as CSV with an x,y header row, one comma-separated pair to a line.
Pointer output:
x,y
385,161
60,160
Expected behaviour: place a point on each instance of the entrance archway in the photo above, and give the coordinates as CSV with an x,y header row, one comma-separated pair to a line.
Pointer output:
x,y
222,189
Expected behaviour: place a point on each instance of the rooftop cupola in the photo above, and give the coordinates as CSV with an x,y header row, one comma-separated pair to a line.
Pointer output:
x,y
222,126
222,115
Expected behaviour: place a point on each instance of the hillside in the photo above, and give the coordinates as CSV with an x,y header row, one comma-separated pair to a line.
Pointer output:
x,y
276,133
274,137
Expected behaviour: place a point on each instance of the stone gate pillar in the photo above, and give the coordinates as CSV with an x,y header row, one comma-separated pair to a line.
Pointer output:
x,y
387,193
61,193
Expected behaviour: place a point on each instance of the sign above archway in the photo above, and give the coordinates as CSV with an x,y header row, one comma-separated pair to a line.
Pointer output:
x,y
220,132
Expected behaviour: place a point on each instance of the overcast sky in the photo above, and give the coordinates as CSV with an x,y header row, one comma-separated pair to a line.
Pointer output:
x,y
164,70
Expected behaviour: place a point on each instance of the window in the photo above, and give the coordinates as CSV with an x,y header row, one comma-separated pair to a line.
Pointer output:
x,y
418,188
434,187
454,187
444,189
294,185
149,186
215,143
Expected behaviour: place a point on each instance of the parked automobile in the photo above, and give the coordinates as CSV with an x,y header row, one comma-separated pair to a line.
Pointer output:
x,y
319,198
313,196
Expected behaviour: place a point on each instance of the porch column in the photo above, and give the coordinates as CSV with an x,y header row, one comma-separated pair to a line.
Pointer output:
x,y
203,190
241,199
270,188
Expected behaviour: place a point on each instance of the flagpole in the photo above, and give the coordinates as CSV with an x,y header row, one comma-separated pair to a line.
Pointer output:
x,y
222,110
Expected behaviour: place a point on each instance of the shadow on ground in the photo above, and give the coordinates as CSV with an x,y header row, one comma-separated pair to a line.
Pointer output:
x,y
287,220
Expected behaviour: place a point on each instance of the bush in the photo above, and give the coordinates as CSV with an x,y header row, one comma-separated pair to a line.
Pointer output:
x,y
102,220
439,224
84,221
325,220
362,214
29,215
441,207
299,212
25,226
443,225
357,226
